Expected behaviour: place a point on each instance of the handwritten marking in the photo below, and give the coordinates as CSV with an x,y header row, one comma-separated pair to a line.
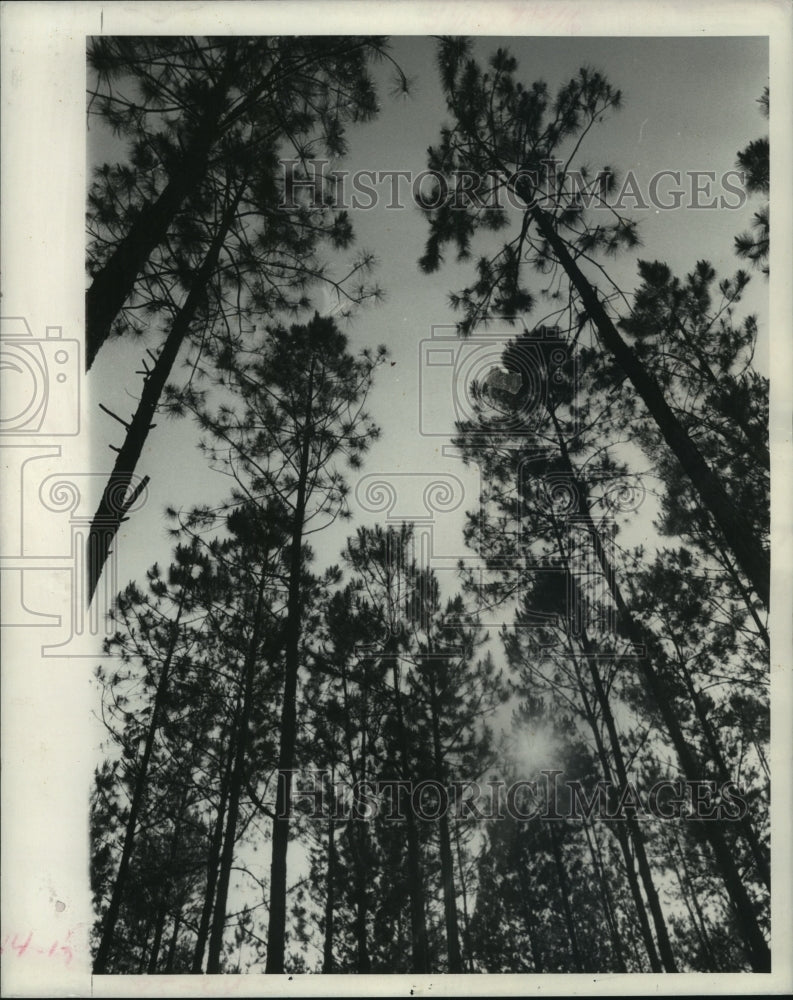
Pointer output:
x,y
19,946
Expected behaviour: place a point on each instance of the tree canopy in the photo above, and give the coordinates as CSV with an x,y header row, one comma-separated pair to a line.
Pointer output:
x,y
321,757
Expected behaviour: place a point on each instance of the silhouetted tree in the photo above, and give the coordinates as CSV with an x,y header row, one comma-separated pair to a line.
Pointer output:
x,y
524,142
197,232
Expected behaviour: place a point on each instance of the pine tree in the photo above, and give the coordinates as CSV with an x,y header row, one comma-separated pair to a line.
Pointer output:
x,y
754,161
524,142
422,655
192,108
197,233
156,634
290,416
574,478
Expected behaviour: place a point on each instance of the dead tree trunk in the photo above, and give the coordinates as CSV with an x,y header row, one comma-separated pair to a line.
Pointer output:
x,y
117,500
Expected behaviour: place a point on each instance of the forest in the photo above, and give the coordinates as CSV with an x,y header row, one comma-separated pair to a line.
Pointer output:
x,y
311,757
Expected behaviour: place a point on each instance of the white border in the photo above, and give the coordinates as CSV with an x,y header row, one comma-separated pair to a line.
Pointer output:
x,y
46,749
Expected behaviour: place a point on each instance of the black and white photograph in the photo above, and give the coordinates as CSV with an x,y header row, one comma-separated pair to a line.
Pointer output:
x,y
396,551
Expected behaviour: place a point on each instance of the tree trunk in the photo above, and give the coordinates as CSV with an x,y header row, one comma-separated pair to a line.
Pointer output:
x,y
418,926
167,884
330,896
213,861
115,503
276,929
449,898
356,829
632,824
525,896
363,962
159,927
637,837
737,530
144,954
177,924
466,924
447,864
756,945
237,782
759,854
564,892
109,928
608,903
689,897
113,284
622,836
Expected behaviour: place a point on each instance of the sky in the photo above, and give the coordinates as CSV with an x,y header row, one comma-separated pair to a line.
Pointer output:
x,y
689,104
